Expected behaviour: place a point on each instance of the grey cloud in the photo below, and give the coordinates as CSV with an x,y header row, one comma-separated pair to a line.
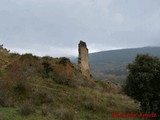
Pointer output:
x,y
55,26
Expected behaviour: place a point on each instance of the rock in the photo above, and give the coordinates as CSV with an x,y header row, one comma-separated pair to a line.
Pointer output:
x,y
83,60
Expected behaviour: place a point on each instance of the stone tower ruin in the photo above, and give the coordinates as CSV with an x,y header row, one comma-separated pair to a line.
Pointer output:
x,y
83,59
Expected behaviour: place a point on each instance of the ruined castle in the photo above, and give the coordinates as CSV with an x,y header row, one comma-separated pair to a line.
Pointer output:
x,y
83,59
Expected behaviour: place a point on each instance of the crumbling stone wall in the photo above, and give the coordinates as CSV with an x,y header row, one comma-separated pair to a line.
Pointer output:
x,y
83,59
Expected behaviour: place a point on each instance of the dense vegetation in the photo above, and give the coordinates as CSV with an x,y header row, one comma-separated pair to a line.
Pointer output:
x,y
143,82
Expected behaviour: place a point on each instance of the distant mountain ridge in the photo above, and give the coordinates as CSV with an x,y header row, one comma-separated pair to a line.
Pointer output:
x,y
122,54
114,62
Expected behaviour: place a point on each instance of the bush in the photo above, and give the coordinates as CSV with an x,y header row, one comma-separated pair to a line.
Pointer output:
x,y
47,69
61,80
41,97
65,114
28,56
64,61
23,68
69,82
91,105
20,86
26,109
44,111
5,97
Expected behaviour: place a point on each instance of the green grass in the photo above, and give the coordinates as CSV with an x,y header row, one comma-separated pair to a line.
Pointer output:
x,y
85,103
13,114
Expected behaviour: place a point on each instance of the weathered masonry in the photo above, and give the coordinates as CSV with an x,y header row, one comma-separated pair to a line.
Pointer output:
x,y
83,59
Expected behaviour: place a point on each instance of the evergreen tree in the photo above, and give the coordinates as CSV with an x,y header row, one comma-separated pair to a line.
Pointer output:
x,y
143,82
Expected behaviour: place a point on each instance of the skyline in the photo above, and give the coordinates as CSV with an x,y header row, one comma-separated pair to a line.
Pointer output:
x,y
55,27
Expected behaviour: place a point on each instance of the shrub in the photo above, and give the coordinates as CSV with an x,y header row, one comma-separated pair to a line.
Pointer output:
x,y
41,97
20,86
69,82
47,69
5,97
26,109
28,56
44,110
65,114
90,105
24,67
64,61
61,80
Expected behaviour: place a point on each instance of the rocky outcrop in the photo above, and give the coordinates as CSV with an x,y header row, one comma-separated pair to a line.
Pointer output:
x,y
83,60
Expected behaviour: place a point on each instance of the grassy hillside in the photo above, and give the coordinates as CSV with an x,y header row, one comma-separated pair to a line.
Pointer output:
x,y
112,64
46,88
54,101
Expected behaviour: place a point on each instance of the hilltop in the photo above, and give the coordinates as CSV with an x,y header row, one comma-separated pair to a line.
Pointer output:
x,y
47,88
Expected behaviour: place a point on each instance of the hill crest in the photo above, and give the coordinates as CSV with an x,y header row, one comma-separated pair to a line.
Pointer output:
x,y
113,63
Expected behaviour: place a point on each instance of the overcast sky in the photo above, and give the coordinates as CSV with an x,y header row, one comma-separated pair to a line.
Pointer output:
x,y
55,27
